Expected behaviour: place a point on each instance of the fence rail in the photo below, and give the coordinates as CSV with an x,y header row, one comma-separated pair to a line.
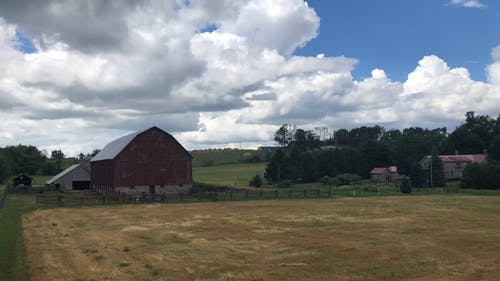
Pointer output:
x,y
92,198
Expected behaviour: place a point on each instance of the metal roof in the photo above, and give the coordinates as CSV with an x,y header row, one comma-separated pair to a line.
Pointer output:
x,y
61,174
111,150
378,170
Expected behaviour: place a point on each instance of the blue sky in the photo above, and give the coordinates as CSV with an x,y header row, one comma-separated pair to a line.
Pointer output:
x,y
395,34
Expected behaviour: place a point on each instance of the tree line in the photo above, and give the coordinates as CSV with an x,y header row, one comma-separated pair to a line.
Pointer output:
x,y
28,159
305,157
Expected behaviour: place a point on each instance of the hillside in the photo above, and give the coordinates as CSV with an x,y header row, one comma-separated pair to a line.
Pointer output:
x,y
205,158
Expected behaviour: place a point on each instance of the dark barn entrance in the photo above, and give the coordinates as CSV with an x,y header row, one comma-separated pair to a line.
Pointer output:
x,y
81,185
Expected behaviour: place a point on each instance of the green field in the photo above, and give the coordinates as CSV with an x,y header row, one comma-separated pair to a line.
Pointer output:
x,y
12,263
230,175
221,157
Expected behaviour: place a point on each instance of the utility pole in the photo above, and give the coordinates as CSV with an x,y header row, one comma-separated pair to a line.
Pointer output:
x,y
432,183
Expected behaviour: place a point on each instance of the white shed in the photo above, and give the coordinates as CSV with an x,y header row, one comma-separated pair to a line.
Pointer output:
x,y
75,177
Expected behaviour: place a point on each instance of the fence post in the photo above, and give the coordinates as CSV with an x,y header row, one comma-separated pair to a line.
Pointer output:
x,y
305,193
36,199
276,193
290,193
247,193
231,195
182,197
261,194
330,192
318,191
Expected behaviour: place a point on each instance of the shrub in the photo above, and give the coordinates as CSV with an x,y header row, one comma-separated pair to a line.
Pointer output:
x,y
482,176
206,187
285,184
326,180
405,186
256,181
346,179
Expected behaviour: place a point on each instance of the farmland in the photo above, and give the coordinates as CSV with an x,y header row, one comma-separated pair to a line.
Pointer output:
x,y
230,175
438,237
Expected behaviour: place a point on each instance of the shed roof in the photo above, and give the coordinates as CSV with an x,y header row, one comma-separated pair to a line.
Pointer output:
x,y
112,149
379,171
61,174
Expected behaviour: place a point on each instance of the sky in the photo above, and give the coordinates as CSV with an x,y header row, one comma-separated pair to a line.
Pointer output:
x,y
74,75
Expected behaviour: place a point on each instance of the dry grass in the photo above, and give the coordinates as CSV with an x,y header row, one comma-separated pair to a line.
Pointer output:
x,y
390,238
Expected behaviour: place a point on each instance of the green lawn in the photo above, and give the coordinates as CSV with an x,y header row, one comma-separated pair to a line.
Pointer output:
x,y
221,157
12,264
2,190
231,175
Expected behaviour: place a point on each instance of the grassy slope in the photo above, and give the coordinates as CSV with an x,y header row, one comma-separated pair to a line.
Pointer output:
x,y
234,174
12,265
220,157
384,238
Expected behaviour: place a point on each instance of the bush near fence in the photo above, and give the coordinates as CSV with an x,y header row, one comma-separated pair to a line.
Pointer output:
x,y
3,193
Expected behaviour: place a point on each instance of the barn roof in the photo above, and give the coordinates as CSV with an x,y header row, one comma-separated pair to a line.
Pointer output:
x,y
112,149
61,174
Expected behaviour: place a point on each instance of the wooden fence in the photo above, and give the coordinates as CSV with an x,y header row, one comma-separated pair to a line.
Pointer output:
x,y
92,198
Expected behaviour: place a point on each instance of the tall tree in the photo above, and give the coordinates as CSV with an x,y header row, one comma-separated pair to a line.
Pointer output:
x,y
283,135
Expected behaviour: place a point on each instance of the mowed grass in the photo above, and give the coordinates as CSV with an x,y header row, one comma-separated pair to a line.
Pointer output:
x,y
12,263
230,175
450,237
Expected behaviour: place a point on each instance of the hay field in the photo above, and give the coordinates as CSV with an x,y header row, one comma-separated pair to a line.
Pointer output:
x,y
385,238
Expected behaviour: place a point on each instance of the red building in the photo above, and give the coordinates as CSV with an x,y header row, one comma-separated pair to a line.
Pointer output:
x,y
150,161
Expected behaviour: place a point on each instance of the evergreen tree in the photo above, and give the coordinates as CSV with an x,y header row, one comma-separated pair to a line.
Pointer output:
x,y
417,176
405,186
256,181
436,171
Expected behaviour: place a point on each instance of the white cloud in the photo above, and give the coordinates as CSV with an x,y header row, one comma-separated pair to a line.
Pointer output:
x,y
468,3
235,83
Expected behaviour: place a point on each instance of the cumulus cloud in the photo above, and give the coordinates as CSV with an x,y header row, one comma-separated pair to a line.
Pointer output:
x,y
212,72
468,3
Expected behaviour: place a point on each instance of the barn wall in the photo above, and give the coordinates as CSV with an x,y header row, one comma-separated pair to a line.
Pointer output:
x,y
77,174
101,174
153,158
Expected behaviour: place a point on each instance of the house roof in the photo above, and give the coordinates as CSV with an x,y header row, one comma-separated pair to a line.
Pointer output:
x,y
473,158
378,170
112,149
61,174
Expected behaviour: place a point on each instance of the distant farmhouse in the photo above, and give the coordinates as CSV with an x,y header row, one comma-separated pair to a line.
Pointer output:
x,y
75,177
386,174
148,161
454,165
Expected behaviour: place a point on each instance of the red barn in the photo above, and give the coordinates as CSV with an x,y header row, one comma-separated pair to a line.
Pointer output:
x,y
150,161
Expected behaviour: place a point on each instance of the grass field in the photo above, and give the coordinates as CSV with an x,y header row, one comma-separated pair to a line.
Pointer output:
x,y
452,237
12,263
230,175
222,157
